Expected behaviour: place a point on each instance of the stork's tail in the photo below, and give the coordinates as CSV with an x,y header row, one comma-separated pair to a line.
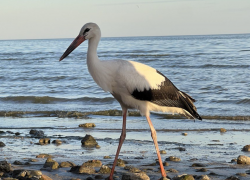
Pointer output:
x,y
190,107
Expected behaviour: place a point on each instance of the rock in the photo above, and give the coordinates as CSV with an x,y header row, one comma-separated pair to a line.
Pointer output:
x,y
89,141
87,125
232,178
66,164
93,163
201,170
163,152
173,170
17,133
57,142
44,177
223,130
165,163
121,163
139,176
82,169
36,133
86,170
18,172
184,134
10,132
43,156
198,165
2,144
35,173
202,177
5,167
17,163
173,158
234,161
132,169
184,177
246,148
98,146
50,163
242,174
243,159
105,169
181,149
44,141
106,157
2,132
33,160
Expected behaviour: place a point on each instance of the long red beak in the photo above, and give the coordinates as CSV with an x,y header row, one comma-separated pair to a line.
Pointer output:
x,y
78,40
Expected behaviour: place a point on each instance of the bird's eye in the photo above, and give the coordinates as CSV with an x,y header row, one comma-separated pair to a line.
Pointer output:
x,y
86,30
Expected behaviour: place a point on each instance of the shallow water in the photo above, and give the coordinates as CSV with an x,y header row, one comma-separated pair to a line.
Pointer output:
x,y
212,69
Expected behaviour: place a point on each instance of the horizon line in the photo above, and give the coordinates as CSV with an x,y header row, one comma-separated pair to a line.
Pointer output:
x,y
130,36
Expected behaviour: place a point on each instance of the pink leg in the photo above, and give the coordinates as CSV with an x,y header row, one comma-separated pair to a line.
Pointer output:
x,y
122,138
154,137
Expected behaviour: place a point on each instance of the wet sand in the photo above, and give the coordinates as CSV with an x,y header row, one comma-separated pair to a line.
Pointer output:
x,y
204,144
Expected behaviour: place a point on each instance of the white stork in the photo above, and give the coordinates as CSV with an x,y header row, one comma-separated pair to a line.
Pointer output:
x,y
134,86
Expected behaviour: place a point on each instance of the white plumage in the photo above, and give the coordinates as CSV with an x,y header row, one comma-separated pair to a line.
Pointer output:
x,y
134,86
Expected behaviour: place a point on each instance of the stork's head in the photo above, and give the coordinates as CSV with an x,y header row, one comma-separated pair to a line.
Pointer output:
x,y
88,31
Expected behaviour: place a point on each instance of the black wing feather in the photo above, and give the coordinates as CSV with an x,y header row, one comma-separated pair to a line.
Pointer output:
x,y
167,95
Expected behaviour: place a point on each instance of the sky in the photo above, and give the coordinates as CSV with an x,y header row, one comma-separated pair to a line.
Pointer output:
x,y
43,19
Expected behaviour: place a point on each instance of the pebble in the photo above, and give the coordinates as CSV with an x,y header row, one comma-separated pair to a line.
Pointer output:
x,y
57,142
87,125
66,164
92,163
165,163
184,177
173,170
242,174
44,141
17,163
89,141
17,133
132,169
201,170
2,144
105,169
86,169
50,163
43,156
232,178
163,152
5,167
106,157
44,177
203,177
181,149
139,176
198,165
246,148
121,163
223,130
184,134
243,159
173,158
36,133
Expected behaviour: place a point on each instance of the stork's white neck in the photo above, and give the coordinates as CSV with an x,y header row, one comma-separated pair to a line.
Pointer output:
x,y
92,50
